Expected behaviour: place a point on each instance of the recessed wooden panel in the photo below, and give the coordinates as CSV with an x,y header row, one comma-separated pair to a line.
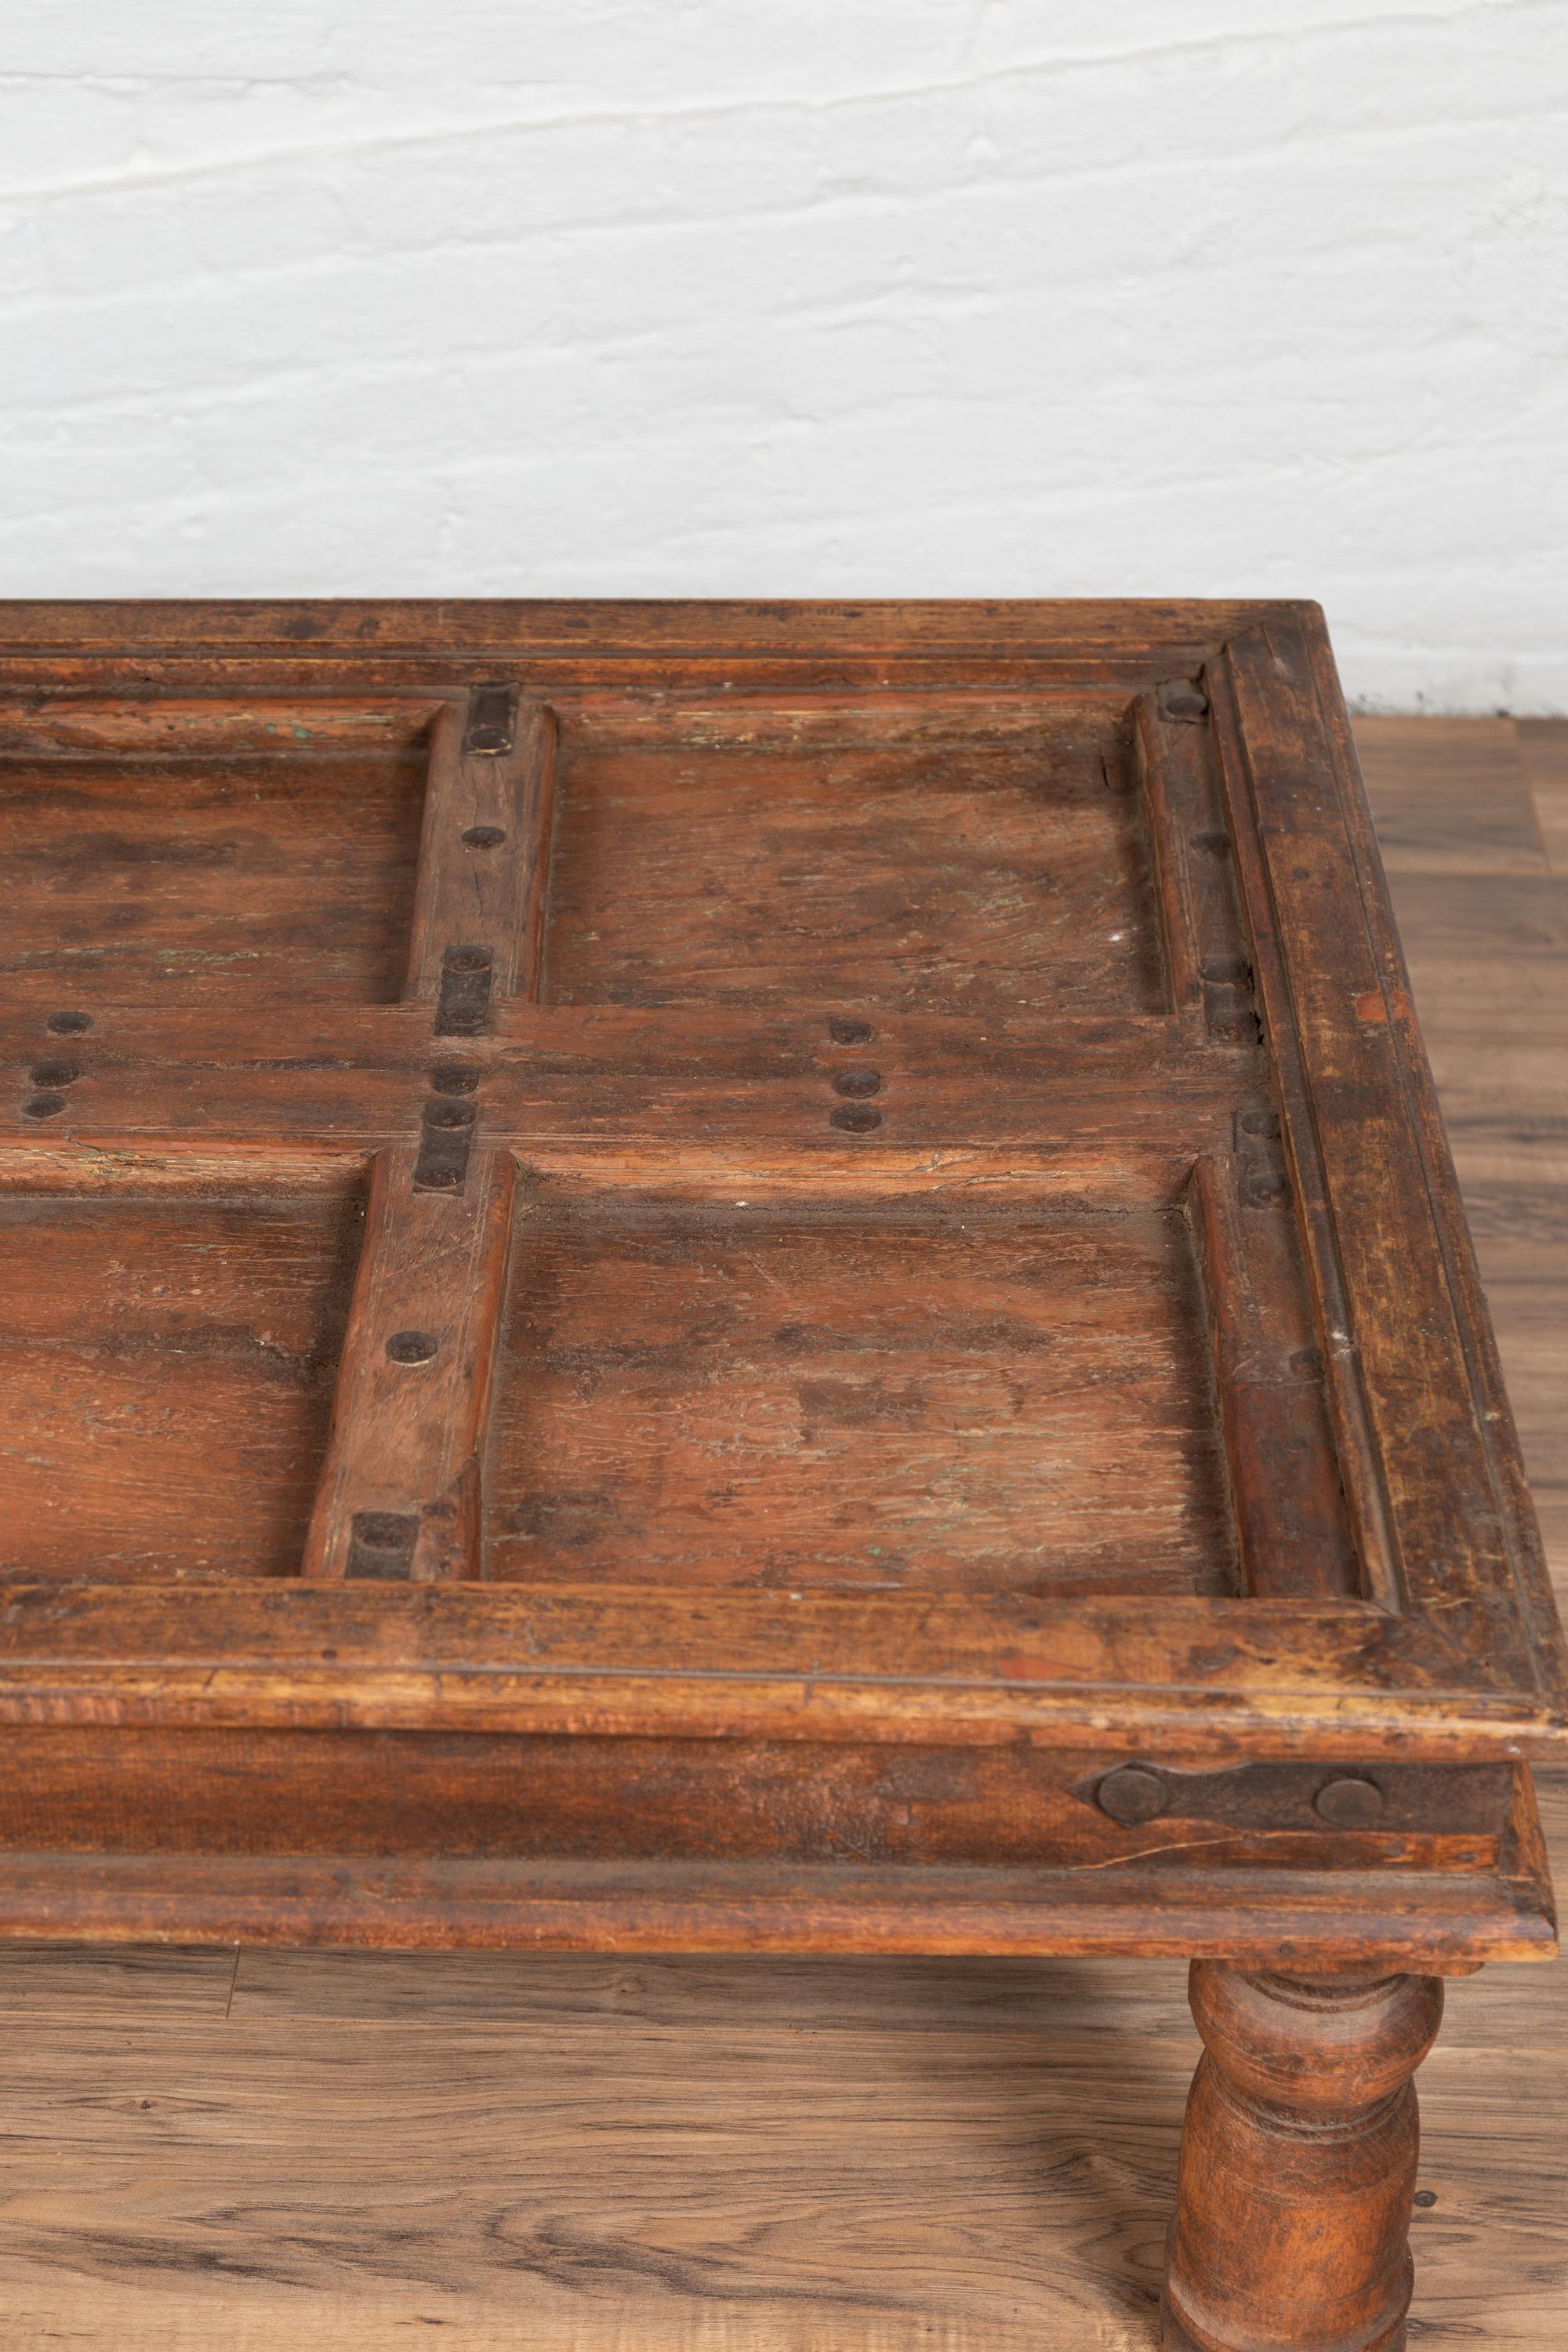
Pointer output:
x,y
860,1399
167,1367
940,858
215,873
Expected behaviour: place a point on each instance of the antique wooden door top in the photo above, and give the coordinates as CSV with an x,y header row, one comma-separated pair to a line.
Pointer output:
x,y
849,1171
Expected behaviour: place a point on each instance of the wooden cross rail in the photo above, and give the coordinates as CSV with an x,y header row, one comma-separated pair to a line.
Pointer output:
x,y
595,1079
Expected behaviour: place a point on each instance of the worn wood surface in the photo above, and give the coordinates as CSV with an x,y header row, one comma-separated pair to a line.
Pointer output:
x,y
1297,2165
229,1313
594,2154
941,1051
206,868
899,867
794,1414
599,2154
987,1302
400,1495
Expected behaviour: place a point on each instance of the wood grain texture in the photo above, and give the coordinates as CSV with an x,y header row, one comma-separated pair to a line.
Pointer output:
x,y
607,1093
967,765
500,1798
1312,1299
593,2153
1224,1907
628,629
1543,749
401,1492
756,2154
1202,935
1488,956
1454,799
741,1398
190,857
140,1336
951,869
485,848
1297,2162
1193,1676
1293,1535
1381,1213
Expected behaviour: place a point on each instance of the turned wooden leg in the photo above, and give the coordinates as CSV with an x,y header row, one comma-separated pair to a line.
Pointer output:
x,y
1297,2163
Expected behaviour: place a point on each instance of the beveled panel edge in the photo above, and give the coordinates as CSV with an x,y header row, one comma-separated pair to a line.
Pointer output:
x,y
1540,1616
1437,1542
1221,1677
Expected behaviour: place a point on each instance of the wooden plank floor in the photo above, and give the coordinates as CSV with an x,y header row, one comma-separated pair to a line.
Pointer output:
x,y
286,2152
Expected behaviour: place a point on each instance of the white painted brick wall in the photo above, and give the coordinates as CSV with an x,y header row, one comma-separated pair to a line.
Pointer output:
x,y
802,296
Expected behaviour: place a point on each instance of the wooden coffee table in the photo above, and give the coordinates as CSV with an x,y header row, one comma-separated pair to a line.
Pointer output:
x,y
762,1277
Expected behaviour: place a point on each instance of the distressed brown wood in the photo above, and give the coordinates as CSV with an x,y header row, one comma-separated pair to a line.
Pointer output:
x,y
485,848
1297,2165
915,1379
401,1493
